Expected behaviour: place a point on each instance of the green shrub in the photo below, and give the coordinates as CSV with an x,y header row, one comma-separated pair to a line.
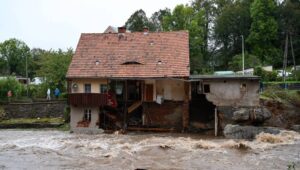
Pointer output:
x,y
265,75
2,113
67,111
296,74
12,84
63,95
276,93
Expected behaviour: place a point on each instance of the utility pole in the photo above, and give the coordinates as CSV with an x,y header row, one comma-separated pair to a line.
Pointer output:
x,y
285,59
26,76
293,55
243,54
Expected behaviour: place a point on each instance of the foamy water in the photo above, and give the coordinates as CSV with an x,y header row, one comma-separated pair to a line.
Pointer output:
x,y
61,150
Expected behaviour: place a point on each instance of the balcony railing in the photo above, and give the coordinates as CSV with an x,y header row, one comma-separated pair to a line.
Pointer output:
x,y
87,99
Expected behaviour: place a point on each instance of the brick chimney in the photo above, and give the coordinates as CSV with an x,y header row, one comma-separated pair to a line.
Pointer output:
x,y
122,29
146,30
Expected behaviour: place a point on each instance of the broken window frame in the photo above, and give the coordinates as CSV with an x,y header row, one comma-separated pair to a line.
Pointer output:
x,y
87,115
243,87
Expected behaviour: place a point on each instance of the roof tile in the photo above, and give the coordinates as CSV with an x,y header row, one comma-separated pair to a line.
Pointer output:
x,y
114,50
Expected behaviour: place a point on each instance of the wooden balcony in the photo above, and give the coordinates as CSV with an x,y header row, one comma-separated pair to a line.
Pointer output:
x,y
87,99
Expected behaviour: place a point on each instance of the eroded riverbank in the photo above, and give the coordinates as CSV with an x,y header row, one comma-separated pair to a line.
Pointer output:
x,y
61,150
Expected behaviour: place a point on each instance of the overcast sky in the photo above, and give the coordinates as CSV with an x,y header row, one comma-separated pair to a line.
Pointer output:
x,y
58,23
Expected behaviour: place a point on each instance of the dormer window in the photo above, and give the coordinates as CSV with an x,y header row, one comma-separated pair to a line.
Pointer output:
x,y
97,62
159,62
131,63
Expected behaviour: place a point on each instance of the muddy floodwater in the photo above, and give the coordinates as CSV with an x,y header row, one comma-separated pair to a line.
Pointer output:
x,y
61,150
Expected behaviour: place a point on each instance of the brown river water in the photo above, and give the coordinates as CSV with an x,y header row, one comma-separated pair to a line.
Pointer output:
x,y
21,149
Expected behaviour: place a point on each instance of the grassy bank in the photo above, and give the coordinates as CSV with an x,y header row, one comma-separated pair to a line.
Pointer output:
x,y
53,123
32,120
282,95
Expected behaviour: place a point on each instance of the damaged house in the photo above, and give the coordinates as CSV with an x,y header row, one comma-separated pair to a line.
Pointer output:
x,y
130,80
141,81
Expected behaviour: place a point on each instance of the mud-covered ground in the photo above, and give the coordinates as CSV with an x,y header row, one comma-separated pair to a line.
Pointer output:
x,y
61,150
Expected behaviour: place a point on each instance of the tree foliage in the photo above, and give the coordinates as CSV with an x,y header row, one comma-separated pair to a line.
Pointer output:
x,y
137,21
13,56
264,30
231,24
251,61
157,19
185,17
53,66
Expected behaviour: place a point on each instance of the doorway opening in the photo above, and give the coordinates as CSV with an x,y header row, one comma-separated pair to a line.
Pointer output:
x,y
202,111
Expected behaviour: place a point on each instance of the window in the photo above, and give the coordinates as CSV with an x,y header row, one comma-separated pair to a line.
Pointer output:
x,y
87,115
206,88
103,88
87,88
243,87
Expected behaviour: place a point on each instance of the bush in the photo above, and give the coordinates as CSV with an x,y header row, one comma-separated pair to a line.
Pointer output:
x,y
12,84
63,95
265,75
296,74
67,114
276,93
39,91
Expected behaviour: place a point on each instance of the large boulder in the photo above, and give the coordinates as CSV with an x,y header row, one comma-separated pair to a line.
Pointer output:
x,y
261,114
251,114
246,132
241,114
296,128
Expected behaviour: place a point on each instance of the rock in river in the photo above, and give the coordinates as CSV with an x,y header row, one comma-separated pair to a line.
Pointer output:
x,y
241,114
247,132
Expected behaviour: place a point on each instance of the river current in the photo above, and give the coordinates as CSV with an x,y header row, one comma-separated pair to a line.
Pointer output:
x,y
24,149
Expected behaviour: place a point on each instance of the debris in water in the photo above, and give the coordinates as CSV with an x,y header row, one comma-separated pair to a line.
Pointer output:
x,y
205,145
269,138
106,156
236,145
118,132
165,147
242,146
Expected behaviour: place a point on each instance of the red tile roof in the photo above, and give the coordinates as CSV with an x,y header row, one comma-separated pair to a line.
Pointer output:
x,y
131,55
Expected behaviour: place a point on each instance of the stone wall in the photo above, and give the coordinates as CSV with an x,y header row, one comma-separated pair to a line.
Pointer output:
x,y
34,110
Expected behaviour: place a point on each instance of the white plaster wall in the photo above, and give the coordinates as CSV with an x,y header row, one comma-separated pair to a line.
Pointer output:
x,y
170,89
95,85
77,114
229,93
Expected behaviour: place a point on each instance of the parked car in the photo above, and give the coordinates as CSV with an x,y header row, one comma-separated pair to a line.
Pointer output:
x,y
37,80
280,73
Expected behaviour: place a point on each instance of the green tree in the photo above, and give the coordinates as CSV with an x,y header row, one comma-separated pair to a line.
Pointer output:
x,y
289,23
137,21
233,22
180,19
54,65
184,17
264,31
157,18
251,61
208,10
13,55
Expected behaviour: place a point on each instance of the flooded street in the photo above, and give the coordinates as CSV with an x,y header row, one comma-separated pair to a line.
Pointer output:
x,y
62,150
